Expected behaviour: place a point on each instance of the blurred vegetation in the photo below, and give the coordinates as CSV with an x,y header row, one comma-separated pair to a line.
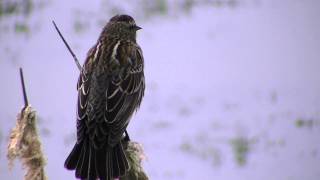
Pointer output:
x,y
140,9
241,148
15,15
79,26
1,136
21,28
209,152
12,7
185,111
307,123
18,19
161,124
204,147
149,8
17,12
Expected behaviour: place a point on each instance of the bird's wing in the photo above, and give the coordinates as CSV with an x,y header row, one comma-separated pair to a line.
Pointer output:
x,y
125,90
83,87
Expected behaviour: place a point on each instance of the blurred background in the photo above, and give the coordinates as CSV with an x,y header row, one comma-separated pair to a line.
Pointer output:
x,y
233,86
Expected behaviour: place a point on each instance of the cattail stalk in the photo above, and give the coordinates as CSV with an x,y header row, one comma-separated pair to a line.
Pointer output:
x,y
24,142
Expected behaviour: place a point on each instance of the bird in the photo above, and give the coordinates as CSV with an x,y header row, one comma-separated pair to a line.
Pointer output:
x,y
110,88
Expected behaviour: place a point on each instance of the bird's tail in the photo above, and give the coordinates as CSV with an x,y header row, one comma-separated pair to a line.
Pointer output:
x,y
106,163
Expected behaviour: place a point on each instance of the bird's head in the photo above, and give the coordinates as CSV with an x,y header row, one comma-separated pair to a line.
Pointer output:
x,y
122,26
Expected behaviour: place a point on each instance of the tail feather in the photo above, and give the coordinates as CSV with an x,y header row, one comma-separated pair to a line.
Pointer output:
x,y
82,167
109,165
106,163
123,162
92,172
80,161
72,160
101,163
116,169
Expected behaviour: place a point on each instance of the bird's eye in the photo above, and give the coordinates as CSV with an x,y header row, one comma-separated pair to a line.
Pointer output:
x,y
132,26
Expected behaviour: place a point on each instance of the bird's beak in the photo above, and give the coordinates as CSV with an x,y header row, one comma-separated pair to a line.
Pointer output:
x,y
137,27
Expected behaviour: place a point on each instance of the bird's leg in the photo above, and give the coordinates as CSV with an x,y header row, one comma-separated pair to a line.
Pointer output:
x,y
126,138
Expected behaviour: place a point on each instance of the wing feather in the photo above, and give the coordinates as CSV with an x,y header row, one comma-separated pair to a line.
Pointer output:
x,y
108,97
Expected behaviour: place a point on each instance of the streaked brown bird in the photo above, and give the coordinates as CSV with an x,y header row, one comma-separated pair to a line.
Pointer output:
x,y
110,89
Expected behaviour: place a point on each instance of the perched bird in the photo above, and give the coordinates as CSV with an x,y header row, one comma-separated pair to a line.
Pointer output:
x,y
110,89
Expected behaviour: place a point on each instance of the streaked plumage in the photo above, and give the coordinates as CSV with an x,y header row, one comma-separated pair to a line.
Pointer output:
x,y
110,89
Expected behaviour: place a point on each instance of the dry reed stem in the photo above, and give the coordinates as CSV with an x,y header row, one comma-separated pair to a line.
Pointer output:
x,y
25,145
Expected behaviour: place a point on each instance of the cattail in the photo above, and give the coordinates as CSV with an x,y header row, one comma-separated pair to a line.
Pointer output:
x,y
24,142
